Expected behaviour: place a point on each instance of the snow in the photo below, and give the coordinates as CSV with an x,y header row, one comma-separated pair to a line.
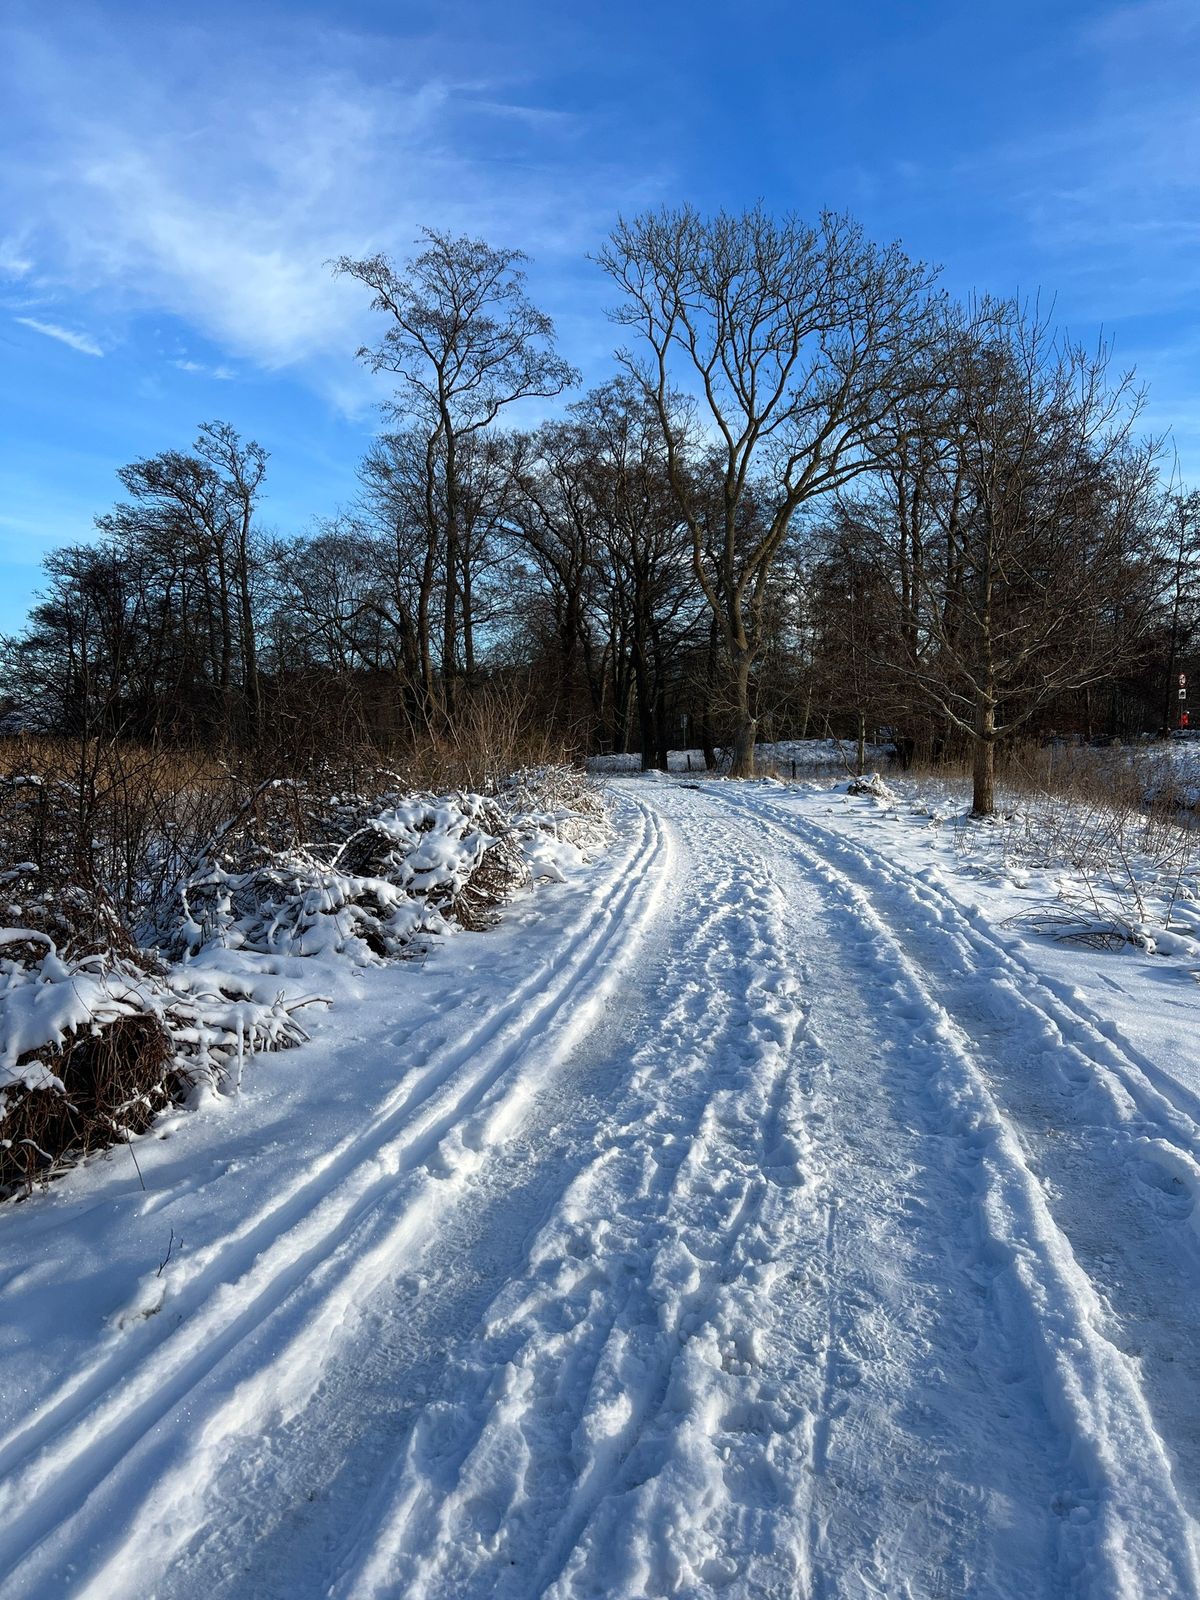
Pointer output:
x,y
769,1207
232,928
784,754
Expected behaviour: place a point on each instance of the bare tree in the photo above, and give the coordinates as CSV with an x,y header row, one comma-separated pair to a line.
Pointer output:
x,y
848,621
795,342
645,546
594,508
240,470
553,526
153,629
466,343
1013,526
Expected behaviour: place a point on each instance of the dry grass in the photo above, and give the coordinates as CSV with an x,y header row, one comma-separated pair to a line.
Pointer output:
x,y
106,824
1114,824
494,735
117,825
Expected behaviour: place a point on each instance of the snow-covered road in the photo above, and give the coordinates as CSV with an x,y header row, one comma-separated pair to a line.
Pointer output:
x,y
748,1218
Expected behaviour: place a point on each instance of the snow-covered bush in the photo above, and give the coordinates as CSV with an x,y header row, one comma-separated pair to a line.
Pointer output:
x,y
103,1023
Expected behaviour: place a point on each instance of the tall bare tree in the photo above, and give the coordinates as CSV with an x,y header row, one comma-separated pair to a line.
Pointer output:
x,y
152,630
465,342
795,342
240,470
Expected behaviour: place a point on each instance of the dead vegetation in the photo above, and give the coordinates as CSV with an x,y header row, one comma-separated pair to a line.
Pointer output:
x,y
114,1081
117,863
1116,829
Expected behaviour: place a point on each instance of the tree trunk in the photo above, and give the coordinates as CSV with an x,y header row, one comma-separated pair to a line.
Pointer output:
x,y
424,623
1171,705
983,797
862,743
250,685
662,753
645,705
707,739
742,765
468,624
450,609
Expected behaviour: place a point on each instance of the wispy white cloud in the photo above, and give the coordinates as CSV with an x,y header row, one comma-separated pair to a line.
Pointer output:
x,y
201,370
14,262
220,197
82,342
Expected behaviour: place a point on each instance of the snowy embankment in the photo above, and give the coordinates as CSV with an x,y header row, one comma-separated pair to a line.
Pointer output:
x,y
1174,772
767,1214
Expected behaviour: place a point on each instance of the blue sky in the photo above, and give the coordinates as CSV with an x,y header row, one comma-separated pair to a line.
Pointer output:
x,y
173,180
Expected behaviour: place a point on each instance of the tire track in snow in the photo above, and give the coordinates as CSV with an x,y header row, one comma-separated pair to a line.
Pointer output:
x,y
57,1463
927,1466
1144,1538
1168,1107
1092,1127
588,1348
677,1433
823,1422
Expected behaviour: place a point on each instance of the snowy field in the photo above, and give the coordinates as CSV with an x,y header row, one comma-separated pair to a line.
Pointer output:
x,y
776,1207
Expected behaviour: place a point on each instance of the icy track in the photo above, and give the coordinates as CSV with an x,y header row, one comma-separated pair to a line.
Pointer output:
x,y
747,1217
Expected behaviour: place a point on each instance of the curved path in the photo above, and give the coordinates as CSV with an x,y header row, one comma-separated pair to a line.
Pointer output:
x,y
780,1233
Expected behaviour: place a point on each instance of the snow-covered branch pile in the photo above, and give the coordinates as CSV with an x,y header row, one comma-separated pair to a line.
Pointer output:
x,y
101,1026
94,1044
398,868
872,786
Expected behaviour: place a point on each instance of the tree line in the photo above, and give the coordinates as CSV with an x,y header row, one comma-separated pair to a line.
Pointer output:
x,y
815,495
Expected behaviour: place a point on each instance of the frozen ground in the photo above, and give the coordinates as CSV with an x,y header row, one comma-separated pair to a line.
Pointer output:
x,y
758,1213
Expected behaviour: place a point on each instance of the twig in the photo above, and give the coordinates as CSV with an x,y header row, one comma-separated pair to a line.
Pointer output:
x,y
136,1168
167,1257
